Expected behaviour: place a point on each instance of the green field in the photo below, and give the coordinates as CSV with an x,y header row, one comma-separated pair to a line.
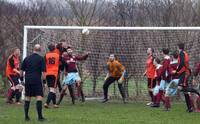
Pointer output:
x,y
94,112
142,87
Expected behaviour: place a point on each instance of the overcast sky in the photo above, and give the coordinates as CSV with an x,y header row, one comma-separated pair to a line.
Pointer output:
x,y
27,1
16,1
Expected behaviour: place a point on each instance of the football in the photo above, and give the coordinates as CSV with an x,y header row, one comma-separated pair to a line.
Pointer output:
x,y
85,31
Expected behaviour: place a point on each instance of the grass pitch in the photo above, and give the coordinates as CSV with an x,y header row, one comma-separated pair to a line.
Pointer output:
x,y
94,112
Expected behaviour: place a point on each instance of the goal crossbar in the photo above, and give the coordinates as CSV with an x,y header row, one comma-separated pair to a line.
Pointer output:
x,y
108,28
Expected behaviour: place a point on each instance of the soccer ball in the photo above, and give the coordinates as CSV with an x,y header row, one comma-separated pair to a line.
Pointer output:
x,y
85,31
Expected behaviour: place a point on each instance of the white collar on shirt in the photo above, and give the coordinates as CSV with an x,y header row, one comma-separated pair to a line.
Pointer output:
x,y
158,66
167,57
174,62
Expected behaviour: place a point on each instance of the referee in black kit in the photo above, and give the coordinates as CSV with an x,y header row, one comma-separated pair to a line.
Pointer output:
x,y
34,68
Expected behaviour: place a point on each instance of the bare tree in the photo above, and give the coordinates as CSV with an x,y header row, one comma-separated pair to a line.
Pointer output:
x,y
13,17
85,11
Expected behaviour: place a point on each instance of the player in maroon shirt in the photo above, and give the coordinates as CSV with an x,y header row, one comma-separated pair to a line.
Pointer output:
x,y
174,65
159,93
71,74
165,76
196,86
171,89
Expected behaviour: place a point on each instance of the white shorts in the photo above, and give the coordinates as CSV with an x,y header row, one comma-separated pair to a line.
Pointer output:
x,y
171,89
163,85
71,78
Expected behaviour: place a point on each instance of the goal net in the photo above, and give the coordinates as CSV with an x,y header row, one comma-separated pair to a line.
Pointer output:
x,y
129,44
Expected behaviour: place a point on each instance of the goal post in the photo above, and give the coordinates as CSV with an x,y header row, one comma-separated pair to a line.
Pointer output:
x,y
129,44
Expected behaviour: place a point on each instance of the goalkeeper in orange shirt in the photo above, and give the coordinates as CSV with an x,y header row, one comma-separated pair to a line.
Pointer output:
x,y
116,72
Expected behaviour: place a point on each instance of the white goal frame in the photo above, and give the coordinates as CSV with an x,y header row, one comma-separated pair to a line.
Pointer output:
x,y
26,27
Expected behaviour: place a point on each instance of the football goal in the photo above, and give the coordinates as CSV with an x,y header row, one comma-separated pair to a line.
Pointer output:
x,y
129,44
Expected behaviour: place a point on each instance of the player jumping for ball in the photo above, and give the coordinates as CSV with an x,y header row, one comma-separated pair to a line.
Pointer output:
x,y
71,73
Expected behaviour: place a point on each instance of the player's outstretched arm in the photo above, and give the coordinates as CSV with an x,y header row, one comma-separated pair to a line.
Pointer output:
x,y
82,57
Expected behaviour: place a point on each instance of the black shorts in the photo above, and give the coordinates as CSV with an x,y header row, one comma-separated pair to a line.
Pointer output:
x,y
33,90
183,80
51,81
151,83
14,79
